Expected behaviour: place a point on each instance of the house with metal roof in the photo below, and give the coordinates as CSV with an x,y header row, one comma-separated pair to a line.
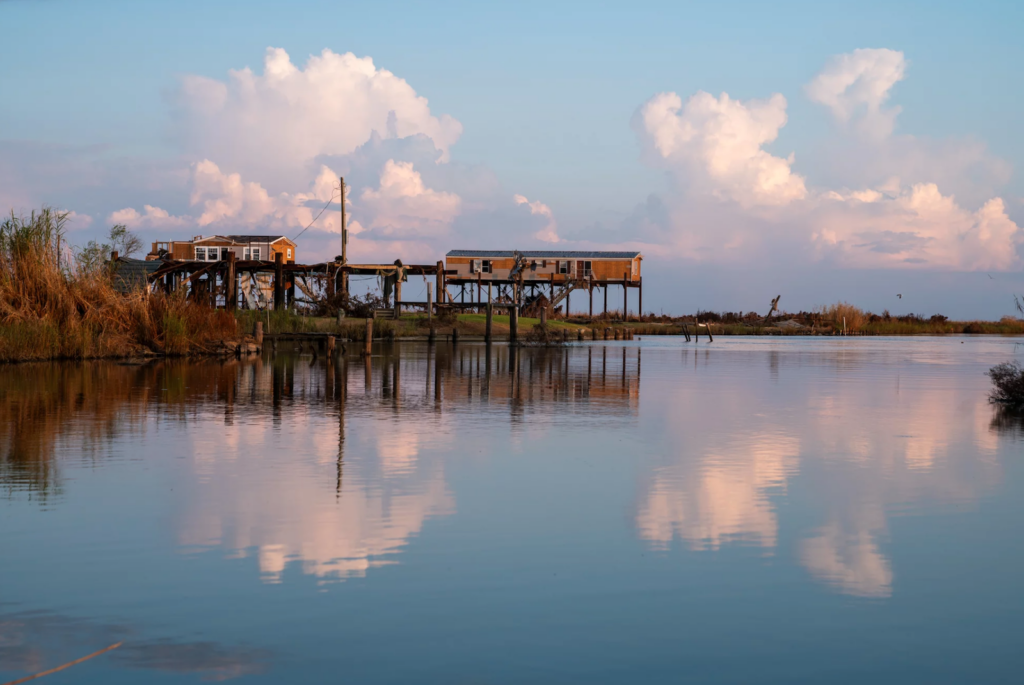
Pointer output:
x,y
217,247
528,274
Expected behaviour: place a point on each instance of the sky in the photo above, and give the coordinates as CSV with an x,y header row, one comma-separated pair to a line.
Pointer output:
x,y
864,152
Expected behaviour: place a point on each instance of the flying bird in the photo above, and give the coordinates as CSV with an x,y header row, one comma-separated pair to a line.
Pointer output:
x,y
899,296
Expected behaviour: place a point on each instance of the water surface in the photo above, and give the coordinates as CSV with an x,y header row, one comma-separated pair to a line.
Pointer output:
x,y
652,511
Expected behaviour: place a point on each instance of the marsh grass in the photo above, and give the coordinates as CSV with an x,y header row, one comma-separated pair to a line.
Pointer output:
x,y
54,308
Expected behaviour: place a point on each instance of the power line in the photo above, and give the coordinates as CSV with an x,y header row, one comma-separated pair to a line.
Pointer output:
x,y
316,217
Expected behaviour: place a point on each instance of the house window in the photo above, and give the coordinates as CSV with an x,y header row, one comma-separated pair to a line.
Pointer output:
x,y
211,254
563,267
289,253
486,266
201,254
474,266
256,253
587,269
247,254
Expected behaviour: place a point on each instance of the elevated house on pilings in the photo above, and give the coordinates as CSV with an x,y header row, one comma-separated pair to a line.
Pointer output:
x,y
217,247
523,277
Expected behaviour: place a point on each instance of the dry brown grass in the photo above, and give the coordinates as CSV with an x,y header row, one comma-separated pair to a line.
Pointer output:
x,y
52,308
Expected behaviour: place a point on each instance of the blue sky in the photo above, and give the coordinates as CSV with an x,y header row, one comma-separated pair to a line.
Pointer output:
x,y
545,94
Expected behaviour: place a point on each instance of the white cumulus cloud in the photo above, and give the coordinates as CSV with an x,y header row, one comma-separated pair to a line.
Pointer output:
x,y
856,86
403,207
716,145
549,233
270,125
150,217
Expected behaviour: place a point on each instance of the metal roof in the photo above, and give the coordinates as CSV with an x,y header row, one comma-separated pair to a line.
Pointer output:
x,y
242,239
542,254
132,273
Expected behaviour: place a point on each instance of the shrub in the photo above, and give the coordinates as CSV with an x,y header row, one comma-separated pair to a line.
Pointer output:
x,y
1008,379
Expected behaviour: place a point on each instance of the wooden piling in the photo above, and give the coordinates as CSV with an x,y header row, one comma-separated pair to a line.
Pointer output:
x,y
625,296
231,284
488,326
330,346
278,281
513,325
579,334
368,339
430,304
455,335
543,317
257,333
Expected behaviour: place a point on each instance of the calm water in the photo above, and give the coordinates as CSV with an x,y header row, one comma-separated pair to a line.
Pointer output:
x,y
751,510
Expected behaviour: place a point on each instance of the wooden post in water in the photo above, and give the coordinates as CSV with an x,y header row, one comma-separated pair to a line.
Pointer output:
x,y
513,324
455,334
430,305
543,317
230,284
489,324
330,346
368,340
606,297
278,281
591,290
257,333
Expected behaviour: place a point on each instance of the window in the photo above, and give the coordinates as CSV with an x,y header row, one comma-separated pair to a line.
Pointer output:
x,y
211,254
201,254
289,253
563,267
256,253
587,270
474,266
486,266
246,254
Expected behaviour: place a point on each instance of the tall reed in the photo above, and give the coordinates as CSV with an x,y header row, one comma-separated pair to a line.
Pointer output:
x,y
54,308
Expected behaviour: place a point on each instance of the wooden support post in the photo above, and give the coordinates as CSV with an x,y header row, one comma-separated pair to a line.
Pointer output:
x,y
455,334
257,333
591,289
398,296
607,332
430,304
329,285
625,295
490,317
278,281
479,289
544,317
567,296
606,298
368,340
230,284
440,282
330,346
710,337
513,324
640,296
593,333
579,334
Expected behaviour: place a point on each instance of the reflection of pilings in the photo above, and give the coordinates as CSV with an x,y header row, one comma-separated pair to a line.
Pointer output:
x,y
437,381
277,382
367,374
342,384
396,375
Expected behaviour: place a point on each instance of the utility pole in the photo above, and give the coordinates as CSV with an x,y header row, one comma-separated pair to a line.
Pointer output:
x,y
344,243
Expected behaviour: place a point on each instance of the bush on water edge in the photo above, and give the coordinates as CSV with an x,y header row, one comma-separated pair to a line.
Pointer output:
x,y
1008,381
53,306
